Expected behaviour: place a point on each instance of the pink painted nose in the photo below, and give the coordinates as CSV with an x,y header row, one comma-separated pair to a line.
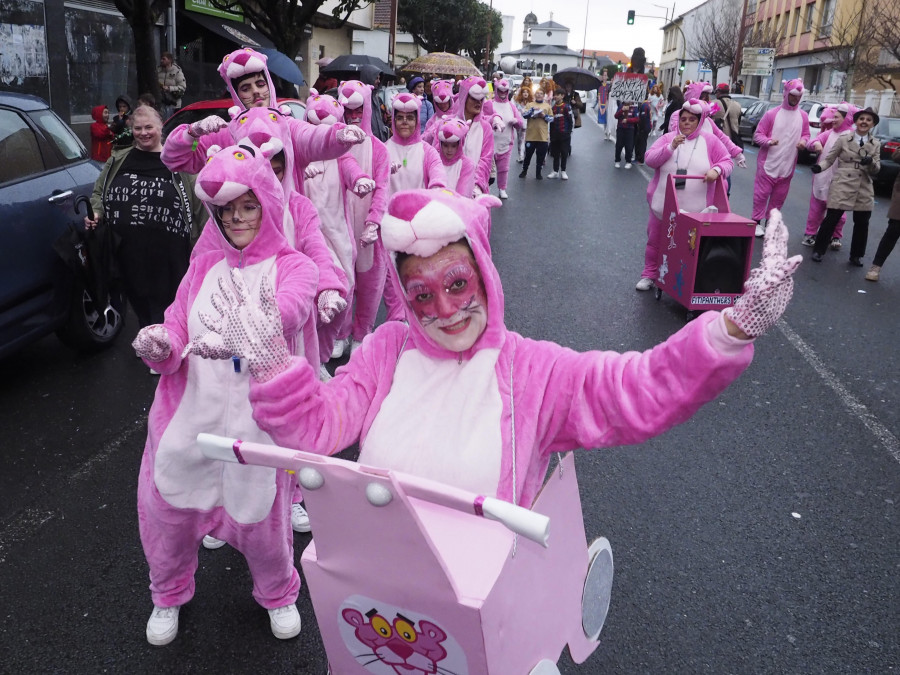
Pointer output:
x,y
446,306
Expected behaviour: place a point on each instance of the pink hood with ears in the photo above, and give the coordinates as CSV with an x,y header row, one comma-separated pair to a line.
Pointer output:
x,y
406,102
792,87
322,109
421,222
699,108
452,129
501,90
474,86
694,89
352,94
442,91
260,125
243,62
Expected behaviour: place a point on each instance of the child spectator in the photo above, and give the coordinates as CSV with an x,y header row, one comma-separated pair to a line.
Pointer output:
x,y
121,123
101,134
537,113
561,125
626,118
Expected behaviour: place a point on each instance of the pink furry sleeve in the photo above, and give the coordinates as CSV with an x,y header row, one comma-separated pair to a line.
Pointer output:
x,y
180,153
660,152
381,167
350,171
466,183
311,243
435,176
295,290
719,156
315,142
730,147
483,168
804,130
763,132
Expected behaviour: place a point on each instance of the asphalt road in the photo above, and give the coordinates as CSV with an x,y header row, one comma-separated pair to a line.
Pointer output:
x,y
759,537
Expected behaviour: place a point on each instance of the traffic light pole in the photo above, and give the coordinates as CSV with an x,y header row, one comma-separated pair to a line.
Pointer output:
x,y
683,39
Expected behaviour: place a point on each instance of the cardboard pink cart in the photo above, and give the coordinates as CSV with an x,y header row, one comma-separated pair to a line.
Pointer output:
x,y
409,576
705,258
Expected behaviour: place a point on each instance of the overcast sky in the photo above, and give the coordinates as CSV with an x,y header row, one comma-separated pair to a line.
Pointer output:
x,y
606,22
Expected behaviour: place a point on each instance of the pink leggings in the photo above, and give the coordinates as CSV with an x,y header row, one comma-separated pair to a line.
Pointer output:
x,y
171,539
771,190
817,215
651,253
502,162
369,289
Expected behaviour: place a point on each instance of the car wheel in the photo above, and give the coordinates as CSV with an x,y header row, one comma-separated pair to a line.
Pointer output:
x,y
90,328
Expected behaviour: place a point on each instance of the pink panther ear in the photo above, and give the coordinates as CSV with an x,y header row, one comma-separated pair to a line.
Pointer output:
x,y
489,201
271,148
234,111
285,109
213,149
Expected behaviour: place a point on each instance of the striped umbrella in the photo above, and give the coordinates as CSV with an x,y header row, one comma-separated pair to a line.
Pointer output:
x,y
442,63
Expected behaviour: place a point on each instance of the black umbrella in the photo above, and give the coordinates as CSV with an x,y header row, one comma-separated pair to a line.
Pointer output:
x,y
281,65
348,66
581,78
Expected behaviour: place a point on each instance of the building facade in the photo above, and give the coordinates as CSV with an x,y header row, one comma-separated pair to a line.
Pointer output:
x,y
544,48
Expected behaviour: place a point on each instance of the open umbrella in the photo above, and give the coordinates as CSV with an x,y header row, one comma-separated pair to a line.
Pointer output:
x,y
581,78
281,65
442,63
347,66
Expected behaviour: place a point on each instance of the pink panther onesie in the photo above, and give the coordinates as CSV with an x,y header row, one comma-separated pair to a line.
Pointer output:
x,y
183,496
183,152
479,145
460,170
371,260
504,140
414,164
775,164
441,92
330,185
822,181
694,90
697,155
488,418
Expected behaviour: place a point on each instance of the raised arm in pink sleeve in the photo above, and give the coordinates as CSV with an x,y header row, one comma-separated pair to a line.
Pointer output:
x,y
183,152
435,176
314,142
660,152
295,290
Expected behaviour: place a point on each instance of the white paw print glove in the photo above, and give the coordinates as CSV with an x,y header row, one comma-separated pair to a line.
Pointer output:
x,y
208,125
770,285
369,234
363,186
741,161
351,135
330,304
152,343
246,327
313,170
395,167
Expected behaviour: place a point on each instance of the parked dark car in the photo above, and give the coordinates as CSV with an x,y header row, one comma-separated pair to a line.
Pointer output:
x,y
44,168
202,109
750,119
744,101
888,132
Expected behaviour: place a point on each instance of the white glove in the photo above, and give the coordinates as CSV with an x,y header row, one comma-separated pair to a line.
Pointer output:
x,y
497,123
770,285
363,186
208,125
246,328
741,161
351,135
330,304
395,167
313,170
476,192
369,234
152,343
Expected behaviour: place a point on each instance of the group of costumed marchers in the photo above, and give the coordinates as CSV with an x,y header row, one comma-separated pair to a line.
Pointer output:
x,y
289,265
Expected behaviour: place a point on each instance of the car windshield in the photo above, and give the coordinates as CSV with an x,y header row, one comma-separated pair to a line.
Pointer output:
x,y
67,142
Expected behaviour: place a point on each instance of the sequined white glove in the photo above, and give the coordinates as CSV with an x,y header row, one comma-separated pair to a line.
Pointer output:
x,y
313,170
770,285
351,135
363,186
246,327
369,234
152,343
741,161
208,125
395,167
330,304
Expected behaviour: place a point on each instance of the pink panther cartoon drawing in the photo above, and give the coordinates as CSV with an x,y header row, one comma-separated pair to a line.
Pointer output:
x,y
399,644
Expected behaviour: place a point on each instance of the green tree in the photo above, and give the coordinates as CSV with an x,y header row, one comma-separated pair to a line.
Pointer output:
x,y
453,26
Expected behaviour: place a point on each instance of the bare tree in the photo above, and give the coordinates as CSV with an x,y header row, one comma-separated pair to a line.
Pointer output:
x,y
886,36
717,36
852,48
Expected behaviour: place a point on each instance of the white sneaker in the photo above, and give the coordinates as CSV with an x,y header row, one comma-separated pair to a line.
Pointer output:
x,y
618,165
324,375
564,175
553,174
212,543
627,165
162,626
644,284
339,347
285,622
521,159
299,519
760,230
503,194
154,372
354,345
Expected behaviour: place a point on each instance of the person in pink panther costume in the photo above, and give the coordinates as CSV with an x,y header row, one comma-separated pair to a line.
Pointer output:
x,y
331,185
182,496
702,91
781,132
694,151
479,145
460,170
444,101
504,139
247,78
414,164
366,213
455,396
834,121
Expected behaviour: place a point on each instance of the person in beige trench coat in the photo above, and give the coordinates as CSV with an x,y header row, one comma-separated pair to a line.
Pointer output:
x,y
857,154
892,233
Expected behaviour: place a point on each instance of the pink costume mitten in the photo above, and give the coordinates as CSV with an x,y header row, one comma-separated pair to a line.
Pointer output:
x,y
497,123
330,303
395,167
370,234
313,170
248,328
152,343
770,285
351,135
208,125
363,186
741,161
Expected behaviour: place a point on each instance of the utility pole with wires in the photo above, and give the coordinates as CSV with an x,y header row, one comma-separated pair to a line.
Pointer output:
x,y
584,41
487,48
